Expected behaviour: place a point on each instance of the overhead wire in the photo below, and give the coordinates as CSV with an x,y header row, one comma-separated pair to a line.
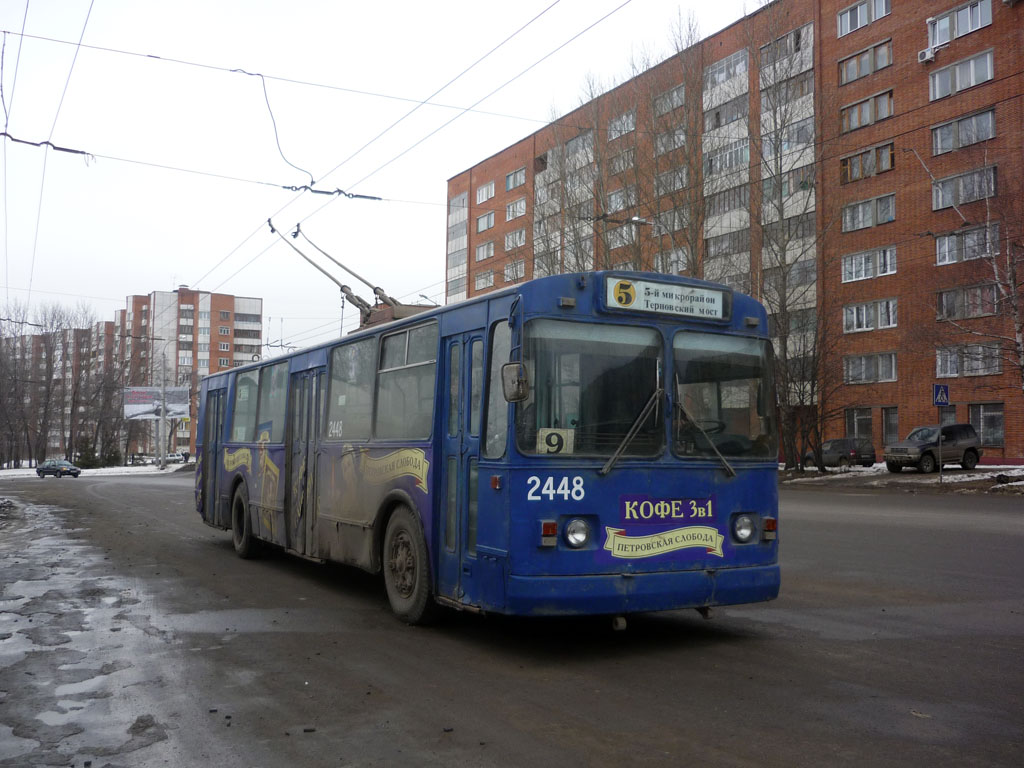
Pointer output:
x,y
53,128
7,119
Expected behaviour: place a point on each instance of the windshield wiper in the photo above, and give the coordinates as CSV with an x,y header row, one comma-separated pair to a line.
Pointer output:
x,y
725,462
633,429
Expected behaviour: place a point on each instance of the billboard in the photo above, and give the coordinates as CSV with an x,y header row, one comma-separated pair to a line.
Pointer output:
x,y
144,402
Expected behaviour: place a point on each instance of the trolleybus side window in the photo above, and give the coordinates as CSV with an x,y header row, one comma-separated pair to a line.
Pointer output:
x,y
273,401
351,399
496,433
243,416
406,383
476,385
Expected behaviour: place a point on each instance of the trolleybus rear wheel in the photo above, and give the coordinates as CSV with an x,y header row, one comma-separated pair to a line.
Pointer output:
x,y
406,568
241,525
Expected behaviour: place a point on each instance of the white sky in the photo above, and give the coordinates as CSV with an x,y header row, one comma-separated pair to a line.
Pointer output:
x,y
78,230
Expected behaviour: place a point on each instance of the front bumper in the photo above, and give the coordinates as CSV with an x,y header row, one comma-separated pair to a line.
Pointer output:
x,y
637,592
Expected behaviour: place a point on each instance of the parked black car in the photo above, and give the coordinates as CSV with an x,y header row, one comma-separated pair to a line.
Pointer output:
x,y
57,468
844,451
960,444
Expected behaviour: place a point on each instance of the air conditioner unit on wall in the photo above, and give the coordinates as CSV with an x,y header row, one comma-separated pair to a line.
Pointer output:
x,y
928,54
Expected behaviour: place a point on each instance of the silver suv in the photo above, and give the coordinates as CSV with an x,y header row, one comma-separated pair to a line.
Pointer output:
x,y
959,444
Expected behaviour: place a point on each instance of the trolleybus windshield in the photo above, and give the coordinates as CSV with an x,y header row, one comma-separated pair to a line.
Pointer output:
x,y
588,383
724,397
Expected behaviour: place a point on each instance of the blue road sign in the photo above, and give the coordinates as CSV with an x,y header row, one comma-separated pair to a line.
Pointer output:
x,y
940,394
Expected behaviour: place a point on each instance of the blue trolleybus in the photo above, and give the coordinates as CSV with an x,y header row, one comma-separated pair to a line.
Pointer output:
x,y
598,443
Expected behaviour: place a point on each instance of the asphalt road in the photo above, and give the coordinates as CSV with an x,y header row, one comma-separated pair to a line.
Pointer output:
x,y
130,635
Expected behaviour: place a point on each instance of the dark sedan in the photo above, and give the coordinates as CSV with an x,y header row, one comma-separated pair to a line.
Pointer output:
x,y
57,468
844,451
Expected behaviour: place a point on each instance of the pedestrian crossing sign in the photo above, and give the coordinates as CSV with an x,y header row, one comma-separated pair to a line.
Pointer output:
x,y
940,394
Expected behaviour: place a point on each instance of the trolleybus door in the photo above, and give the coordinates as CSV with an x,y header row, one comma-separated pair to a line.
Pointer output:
x,y
303,442
460,448
213,425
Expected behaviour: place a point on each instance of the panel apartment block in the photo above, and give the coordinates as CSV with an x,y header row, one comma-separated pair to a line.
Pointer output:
x,y
856,166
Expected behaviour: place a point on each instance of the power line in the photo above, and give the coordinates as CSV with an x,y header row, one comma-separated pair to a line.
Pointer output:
x,y
42,180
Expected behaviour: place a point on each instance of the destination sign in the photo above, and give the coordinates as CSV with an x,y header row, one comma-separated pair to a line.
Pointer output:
x,y
665,298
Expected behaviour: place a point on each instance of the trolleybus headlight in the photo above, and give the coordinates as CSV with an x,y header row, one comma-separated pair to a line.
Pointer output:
x,y
743,528
577,533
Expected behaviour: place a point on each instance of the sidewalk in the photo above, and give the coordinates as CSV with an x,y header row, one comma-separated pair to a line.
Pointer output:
x,y
137,469
983,479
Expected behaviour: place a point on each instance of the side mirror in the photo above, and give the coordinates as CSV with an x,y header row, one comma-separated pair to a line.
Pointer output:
x,y
515,382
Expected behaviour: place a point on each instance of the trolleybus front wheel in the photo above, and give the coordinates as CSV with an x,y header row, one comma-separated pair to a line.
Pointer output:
x,y
406,568
241,525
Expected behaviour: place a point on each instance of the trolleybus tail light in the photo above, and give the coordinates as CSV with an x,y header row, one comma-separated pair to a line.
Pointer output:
x,y
743,528
548,533
769,528
577,533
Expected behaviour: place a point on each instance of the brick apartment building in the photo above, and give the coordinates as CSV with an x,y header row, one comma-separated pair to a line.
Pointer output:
x,y
177,337
857,167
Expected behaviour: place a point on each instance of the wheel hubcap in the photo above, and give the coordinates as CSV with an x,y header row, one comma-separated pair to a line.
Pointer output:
x,y
402,564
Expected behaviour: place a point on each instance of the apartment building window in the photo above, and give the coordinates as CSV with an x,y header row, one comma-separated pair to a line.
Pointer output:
x,y
203,347
485,250
725,69
204,315
669,140
670,221
869,315
224,330
866,163
224,346
670,181
515,239
866,112
987,420
784,231
621,236
669,100
581,147
223,362
485,222
515,209
861,14
789,138
960,76
982,359
203,362
515,270
869,213
965,188
484,280
967,244
484,192
890,425
964,132
225,315
967,302
782,95
621,125
869,264
620,199
730,112
959,22
729,200
729,157
727,244
863,63
671,262
515,179
867,369
204,331
622,161
789,183
784,46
